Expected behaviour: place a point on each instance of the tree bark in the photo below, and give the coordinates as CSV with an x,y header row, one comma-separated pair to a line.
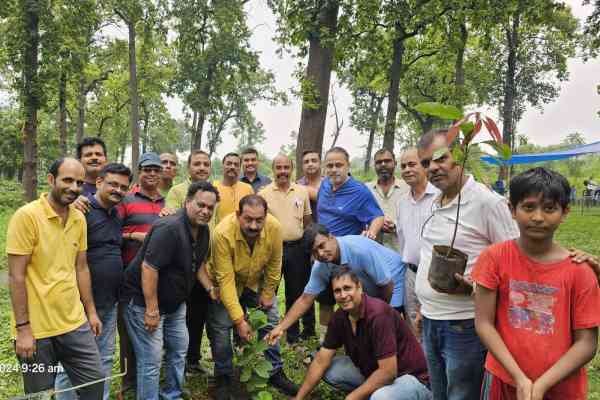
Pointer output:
x,y
81,100
318,73
459,66
146,135
394,75
135,99
205,90
376,102
62,113
30,96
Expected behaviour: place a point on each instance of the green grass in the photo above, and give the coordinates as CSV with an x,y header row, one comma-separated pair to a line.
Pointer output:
x,y
578,231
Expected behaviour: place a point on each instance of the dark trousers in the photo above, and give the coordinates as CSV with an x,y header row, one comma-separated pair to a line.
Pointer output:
x,y
296,272
126,351
197,310
78,354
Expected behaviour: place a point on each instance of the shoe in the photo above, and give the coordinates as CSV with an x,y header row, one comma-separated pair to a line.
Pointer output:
x,y
195,369
223,387
283,384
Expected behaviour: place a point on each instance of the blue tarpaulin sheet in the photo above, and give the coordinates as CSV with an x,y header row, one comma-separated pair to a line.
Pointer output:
x,y
549,156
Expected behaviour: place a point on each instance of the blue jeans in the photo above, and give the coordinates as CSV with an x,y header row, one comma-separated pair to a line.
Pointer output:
x,y
455,358
171,334
106,347
219,327
343,375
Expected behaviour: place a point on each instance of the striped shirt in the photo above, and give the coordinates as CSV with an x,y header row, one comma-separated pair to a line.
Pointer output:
x,y
138,212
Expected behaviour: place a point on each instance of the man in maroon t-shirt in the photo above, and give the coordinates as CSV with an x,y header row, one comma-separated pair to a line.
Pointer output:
x,y
383,358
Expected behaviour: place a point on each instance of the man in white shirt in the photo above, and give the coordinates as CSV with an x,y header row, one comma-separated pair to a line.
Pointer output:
x,y
413,209
455,355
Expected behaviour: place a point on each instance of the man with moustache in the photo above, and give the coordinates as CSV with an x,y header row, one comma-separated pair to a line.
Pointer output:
x,y
289,203
105,264
413,209
247,251
155,289
251,176
198,164
230,188
91,152
54,317
387,190
311,177
169,172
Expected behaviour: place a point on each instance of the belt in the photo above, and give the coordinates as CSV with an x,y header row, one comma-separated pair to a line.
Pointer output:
x,y
412,267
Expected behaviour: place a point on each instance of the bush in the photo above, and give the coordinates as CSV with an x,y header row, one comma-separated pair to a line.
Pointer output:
x,y
11,195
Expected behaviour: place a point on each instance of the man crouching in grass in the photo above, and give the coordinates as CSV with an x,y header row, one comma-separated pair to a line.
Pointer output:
x,y
383,358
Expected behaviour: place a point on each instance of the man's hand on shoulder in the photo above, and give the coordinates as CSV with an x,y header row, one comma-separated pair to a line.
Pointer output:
x,y
165,212
580,256
82,204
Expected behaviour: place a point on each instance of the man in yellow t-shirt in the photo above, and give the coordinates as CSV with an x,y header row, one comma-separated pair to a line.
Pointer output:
x,y
54,318
231,190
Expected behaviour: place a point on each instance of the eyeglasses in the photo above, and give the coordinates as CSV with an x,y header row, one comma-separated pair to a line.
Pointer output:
x,y
149,170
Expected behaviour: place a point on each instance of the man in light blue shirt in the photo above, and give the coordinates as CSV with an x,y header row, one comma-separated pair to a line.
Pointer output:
x,y
379,269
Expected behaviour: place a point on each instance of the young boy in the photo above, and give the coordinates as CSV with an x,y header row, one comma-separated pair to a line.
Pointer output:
x,y
535,309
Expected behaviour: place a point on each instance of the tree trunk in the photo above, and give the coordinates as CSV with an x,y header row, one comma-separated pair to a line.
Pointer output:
x,y
394,89
318,73
30,96
135,99
376,103
62,113
206,89
81,100
197,142
146,134
459,66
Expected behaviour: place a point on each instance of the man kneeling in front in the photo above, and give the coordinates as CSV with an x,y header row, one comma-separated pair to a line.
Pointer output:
x,y
383,358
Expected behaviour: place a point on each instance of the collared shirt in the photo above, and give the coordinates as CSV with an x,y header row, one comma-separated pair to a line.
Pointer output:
x,y
138,212
349,209
374,264
171,250
236,267
389,204
53,300
313,203
104,253
258,183
177,194
411,216
230,197
484,219
289,207
380,334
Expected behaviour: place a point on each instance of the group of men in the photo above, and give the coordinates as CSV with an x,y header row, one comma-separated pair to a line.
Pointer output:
x,y
157,262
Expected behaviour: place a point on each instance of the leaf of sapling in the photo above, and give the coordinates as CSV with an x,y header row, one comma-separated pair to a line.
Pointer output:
x,y
452,133
458,155
441,111
263,395
260,346
493,129
263,369
257,319
245,375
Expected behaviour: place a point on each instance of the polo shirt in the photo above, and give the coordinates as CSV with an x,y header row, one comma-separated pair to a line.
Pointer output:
x,y
53,300
236,267
177,194
138,212
411,216
380,333
171,250
349,209
374,264
258,183
104,253
230,197
289,207
389,205
484,219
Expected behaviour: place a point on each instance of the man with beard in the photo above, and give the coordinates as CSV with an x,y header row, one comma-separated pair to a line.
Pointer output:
x,y
155,289
247,251
387,190
251,176
311,178
289,203
230,188
198,171
169,172
105,263
54,317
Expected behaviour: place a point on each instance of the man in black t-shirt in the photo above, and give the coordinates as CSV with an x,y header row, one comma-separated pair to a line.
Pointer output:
x,y
157,283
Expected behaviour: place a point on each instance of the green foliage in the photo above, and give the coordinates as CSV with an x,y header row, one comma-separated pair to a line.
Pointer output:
x,y
442,111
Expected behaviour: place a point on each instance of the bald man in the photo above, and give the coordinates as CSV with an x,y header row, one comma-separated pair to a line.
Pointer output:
x,y
289,203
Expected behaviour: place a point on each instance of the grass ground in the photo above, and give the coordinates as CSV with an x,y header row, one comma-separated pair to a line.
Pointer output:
x,y
578,231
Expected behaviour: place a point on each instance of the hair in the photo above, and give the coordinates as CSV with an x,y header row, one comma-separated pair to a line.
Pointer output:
x,y
338,149
309,151
249,150
550,184
90,141
342,271
310,233
201,187
55,166
282,155
230,154
427,139
116,168
252,200
197,151
383,151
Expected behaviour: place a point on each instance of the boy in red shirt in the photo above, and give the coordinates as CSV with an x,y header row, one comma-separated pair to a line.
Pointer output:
x,y
535,309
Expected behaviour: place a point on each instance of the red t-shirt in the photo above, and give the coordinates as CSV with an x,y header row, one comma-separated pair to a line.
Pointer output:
x,y
539,306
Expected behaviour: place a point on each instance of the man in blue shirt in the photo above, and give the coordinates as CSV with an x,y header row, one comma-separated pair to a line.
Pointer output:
x,y
380,270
